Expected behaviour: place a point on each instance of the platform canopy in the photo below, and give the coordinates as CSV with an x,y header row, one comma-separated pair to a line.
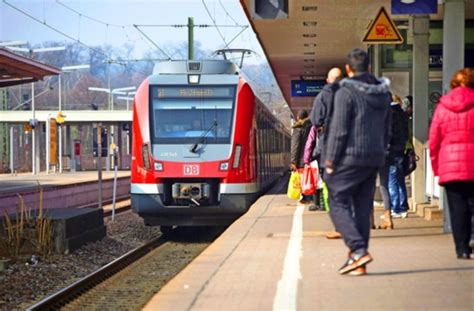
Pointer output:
x,y
303,39
16,69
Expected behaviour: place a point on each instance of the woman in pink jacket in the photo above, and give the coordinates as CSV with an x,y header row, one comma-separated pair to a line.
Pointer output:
x,y
452,156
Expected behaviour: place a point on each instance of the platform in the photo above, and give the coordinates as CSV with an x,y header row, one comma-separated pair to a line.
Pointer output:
x,y
79,189
27,181
277,257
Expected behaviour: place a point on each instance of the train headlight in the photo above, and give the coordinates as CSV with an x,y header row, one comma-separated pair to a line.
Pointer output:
x,y
224,166
146,156
238,150
193,79
158,166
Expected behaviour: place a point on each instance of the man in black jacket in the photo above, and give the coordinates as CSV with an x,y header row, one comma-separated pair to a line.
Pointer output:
x,y
358,137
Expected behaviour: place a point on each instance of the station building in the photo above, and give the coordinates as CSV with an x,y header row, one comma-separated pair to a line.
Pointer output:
x,y
303,39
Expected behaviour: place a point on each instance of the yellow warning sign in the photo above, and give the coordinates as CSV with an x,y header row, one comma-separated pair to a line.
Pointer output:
x,y
383,30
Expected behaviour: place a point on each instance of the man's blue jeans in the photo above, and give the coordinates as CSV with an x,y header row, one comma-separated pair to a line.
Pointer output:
x,y
397,187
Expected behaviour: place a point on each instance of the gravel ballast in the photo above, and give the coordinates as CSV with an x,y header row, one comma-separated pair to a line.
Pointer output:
x,y
22,284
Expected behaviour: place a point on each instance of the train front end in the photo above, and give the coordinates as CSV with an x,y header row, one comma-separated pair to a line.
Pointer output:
x,y
193,145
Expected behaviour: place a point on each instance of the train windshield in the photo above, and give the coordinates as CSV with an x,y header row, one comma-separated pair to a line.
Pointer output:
x,y
183,114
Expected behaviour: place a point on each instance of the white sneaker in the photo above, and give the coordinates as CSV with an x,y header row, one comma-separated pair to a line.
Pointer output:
x,y
400,215
396,215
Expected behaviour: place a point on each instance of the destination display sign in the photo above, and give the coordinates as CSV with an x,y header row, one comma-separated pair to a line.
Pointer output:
x,y
309,88
414,6
193,92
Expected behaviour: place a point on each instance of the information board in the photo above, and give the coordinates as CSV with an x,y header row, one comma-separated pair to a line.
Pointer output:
x,y
306,88
414,6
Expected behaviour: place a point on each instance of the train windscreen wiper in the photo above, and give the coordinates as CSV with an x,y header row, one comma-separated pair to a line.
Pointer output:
x,y
203,137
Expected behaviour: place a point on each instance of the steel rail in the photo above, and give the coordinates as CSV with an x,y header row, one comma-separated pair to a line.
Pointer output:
x,y
71,292
118,210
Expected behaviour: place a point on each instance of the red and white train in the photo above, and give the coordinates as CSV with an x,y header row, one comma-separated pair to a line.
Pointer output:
x,y
204,146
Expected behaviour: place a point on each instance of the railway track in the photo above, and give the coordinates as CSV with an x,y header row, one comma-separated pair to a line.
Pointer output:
x,y
131,280
71,292
122,205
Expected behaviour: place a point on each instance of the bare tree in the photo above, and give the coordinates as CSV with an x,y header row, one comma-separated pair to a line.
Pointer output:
x,y
80,98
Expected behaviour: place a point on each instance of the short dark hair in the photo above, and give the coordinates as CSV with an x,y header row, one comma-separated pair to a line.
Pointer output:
x,y
358,60
302,114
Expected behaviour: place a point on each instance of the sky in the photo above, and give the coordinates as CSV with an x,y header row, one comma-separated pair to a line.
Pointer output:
x,y
121,15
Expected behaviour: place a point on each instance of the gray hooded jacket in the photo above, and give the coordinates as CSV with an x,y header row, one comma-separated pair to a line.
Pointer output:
x,y
359,129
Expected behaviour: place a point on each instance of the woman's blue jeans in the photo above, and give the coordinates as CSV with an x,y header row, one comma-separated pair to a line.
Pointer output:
x,y
397,187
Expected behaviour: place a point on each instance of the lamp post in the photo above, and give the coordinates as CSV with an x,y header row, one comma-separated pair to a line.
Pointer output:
x,y
111,92
64,69
128,99
33,124
12,43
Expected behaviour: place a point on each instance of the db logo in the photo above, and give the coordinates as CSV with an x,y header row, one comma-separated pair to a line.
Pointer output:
x,y
191,169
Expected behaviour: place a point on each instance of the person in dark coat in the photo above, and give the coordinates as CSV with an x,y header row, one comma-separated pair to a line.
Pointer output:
x,y
396,175
384,171
451,142
320,117
322,110
300,134
356,145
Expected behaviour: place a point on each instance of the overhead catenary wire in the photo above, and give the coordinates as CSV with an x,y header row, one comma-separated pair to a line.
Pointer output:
x,y
147,39
214,22
227,13
185,25
107,24
137,27
89,17
67,36
226,44
142,36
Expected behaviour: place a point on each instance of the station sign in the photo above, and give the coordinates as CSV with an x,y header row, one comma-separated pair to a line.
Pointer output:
x,y
306,88
436,57
414,6
52,142
383,30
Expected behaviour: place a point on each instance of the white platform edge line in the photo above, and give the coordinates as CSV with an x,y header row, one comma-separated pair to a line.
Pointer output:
x,y
287,290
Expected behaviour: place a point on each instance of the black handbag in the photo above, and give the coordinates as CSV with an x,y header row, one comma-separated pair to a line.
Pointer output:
x,y
409,161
